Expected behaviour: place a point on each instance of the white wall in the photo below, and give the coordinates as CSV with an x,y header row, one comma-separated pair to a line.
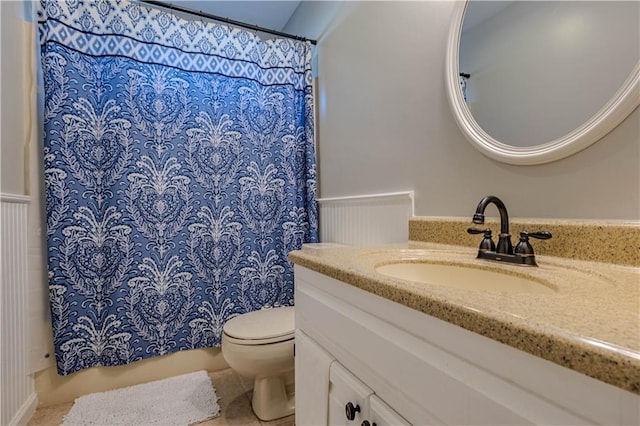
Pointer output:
x,y
564,59
385,126
12,179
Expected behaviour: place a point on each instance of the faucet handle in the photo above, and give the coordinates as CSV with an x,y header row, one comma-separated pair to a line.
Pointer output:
x,y
487,243
540,235
477,230
523,248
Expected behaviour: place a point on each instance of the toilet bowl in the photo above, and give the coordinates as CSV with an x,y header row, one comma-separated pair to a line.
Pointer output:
x,y
259,345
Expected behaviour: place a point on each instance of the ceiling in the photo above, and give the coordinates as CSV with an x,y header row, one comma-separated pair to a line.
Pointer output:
x,y
269,14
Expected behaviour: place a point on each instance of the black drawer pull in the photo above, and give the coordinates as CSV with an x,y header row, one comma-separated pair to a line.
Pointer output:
x,y
350,410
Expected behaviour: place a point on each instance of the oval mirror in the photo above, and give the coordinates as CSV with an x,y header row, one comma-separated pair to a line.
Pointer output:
x,y
542,80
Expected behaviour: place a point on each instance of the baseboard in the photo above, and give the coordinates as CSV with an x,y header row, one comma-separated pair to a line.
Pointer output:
x,y
53,389
27,410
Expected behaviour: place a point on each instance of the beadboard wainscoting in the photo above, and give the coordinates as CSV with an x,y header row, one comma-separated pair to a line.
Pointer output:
x,y
366,219
17,393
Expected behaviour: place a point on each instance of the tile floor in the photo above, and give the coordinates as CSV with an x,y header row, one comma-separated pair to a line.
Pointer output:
x,y
234,397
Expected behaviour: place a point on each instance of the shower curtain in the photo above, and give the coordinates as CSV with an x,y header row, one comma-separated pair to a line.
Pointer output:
x,y
180,171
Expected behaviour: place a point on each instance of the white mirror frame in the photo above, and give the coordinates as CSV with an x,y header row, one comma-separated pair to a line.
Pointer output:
x,y
623,102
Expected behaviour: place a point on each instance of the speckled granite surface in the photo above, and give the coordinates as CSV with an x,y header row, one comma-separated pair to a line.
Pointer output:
x,y
609,242
590,323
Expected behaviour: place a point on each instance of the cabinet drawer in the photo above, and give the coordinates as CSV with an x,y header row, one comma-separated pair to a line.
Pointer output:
x,y
366,408
345,389
383,415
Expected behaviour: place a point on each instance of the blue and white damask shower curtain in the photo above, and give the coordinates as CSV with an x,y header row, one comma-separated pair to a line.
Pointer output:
x,y
179,170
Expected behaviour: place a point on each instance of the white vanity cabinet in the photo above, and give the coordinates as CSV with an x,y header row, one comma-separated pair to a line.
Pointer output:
x,y
402,367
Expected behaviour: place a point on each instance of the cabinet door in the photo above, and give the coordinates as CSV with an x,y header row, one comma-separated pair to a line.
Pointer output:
x,y
312,381
348,398
383,415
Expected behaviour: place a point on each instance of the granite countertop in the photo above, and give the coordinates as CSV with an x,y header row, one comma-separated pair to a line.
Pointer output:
x,y
590,323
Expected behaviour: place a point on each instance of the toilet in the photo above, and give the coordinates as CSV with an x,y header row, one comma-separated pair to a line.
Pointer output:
x,y
259,345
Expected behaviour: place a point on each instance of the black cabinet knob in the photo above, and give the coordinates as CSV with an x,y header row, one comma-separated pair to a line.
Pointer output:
x,y
367,423
350,410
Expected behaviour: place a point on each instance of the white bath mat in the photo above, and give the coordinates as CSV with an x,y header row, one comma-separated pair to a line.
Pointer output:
x,y
180,400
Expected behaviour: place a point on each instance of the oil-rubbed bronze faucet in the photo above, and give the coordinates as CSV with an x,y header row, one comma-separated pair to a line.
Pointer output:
x,y
504,252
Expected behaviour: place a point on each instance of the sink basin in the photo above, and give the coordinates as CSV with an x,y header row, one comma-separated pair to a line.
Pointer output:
x,y
458,276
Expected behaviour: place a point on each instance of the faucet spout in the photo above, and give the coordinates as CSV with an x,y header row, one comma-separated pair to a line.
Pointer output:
x,y
478,217
504,242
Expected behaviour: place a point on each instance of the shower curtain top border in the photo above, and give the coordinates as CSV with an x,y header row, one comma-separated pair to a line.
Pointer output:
x,y
306,87
189,52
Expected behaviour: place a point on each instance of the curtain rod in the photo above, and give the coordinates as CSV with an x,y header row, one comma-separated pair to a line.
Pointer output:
x,y
225,20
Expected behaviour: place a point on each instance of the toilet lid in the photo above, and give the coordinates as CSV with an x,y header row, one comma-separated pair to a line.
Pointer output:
x,y
263,324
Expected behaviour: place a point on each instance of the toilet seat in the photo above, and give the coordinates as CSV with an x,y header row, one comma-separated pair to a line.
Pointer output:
x,y
261,327
256,342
